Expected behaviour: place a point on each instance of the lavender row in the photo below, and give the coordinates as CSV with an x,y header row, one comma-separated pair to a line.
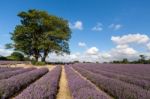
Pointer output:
x,y
5,69
80,88
9,87
124,69
13,62
8,74
139,75
129,79
45,88
116,88
131,69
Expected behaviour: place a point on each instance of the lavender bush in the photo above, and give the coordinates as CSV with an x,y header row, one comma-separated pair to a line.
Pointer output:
x,y
8,74
129,79
9,87
139,71
5,69
13,62
82,89
45,88
116,88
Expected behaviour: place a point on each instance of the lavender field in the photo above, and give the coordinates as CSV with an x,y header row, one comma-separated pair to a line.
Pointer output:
x,y
83,81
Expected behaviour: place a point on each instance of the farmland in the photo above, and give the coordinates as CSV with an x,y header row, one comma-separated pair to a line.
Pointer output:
x,y
76,81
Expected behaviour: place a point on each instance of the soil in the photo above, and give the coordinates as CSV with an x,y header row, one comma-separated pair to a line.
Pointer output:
x,y
63,92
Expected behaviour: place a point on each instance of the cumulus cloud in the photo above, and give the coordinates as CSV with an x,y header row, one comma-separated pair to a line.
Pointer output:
x,y
148,46
94,55
98,27
63,58
82,44
90,55
130,38
76,25
123,50
115,26
5,52
92,51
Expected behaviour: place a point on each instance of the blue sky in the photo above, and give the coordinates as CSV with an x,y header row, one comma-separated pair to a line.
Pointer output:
x,y
99,20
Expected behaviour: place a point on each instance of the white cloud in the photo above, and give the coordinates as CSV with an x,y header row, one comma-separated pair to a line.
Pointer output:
x,y
90,55
120,52
77,25
5,52
115,26
63,58
98,27
130,38
124,50
148,46
92,51
94,55
82,44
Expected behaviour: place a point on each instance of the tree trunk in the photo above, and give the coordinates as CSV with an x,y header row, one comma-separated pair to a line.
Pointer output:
x,y
43,59
45,55
36,55
36,58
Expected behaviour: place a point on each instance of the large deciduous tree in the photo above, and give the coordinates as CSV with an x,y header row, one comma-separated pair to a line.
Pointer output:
x,y
40,33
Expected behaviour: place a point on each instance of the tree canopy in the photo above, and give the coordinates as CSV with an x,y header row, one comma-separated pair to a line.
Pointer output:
x,y
17,56
40,33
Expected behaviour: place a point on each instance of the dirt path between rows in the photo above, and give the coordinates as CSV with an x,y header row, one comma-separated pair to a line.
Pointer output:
x,y
97,88
63,92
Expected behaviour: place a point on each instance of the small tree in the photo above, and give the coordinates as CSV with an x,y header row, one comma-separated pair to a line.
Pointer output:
x,y
125,61
17,56
3,58
142,59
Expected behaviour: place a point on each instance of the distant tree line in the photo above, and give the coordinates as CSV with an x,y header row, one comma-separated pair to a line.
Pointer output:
x,y
141,60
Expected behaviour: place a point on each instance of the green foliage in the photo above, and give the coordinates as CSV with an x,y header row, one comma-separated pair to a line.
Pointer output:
x,y
8,46
38,63
142,59
16,56
3,58
33,62
40,33
125,61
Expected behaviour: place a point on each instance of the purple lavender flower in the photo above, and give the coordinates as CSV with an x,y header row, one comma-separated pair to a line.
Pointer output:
x,y
45,88
9,87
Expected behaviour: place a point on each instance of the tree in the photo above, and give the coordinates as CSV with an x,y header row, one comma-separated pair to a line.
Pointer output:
x,y
17,56
125,61
142,59
3,58
40,33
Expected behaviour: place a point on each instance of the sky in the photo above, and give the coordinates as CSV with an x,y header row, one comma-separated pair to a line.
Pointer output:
x,y
102,30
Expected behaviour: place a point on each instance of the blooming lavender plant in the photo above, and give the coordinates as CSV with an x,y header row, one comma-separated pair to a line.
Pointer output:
x,y
129,79
13,62
139,71
82,89
45,88
8,74
9,87
5,69
116,88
